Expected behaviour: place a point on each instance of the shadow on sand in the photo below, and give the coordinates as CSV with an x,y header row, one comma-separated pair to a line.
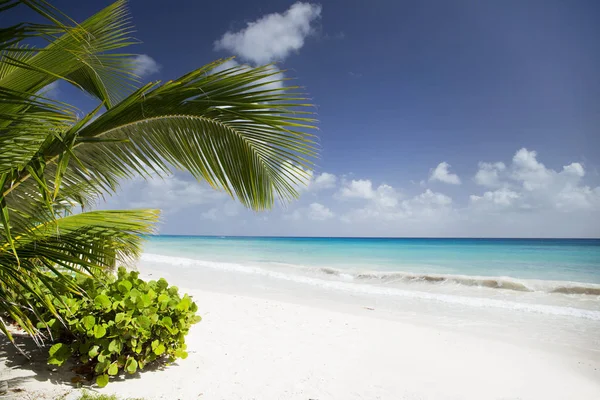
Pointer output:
x,y
21,372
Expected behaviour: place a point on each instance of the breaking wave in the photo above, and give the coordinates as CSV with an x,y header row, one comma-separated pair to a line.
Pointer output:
x,y
359,282
506,283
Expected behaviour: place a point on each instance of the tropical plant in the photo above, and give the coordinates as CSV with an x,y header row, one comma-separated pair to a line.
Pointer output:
x,y
233,129
124,324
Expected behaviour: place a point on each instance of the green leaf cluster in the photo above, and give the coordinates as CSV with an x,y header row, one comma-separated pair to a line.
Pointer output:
x,y
124,324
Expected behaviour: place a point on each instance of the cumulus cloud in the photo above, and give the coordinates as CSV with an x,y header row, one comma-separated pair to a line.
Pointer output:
x,y
323,181
173,193
386,196
488,174
272,37
574,169
499,198
527,169
358,189
527,184
441,173
431,198
386,206
522,197
518,197
314,212
313,183
145,65
319,212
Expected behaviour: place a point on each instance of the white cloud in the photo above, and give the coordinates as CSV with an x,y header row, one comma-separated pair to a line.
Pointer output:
x,y
314,212
431,199
359,189
499,198
578,198
385,206
382,202
575,169
441,173
529,171
487,175
145,65
272,37
386,196
529,185
522,197
313,183
323,181
319,212
171,194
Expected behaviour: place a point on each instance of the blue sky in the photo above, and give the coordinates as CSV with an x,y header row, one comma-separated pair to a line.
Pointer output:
x,y
437,118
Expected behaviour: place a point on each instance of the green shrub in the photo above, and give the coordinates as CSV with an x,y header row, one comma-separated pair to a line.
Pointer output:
x,y
124,323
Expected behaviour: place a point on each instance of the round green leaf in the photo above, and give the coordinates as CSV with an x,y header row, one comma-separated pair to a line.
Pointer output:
x,y
184,304
88,322
144,322
159,349
59,353
102,356
94,351
167,321
114,346
113,369
131,365
99,331
102,380
124,286
163,298
119,317
101,367
181,354
102,301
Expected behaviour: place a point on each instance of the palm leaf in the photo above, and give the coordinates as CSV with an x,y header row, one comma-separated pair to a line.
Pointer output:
x,y
82,243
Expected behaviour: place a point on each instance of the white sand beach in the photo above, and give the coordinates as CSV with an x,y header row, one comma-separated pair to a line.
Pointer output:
x,y
264,340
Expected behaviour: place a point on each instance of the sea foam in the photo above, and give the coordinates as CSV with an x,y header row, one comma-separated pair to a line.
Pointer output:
x,y
360,285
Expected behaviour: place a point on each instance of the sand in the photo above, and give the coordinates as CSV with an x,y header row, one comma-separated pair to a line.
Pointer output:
x,y
279,346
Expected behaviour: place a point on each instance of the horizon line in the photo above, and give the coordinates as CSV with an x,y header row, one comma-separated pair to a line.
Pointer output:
x,y
379,237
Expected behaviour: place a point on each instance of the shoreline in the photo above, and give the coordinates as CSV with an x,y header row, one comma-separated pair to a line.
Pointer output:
x,y
269,340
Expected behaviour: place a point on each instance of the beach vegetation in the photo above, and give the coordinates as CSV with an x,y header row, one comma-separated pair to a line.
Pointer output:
x,y
123,324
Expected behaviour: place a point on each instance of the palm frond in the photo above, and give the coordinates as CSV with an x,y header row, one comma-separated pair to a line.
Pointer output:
x,y
83,243
83,55
223,128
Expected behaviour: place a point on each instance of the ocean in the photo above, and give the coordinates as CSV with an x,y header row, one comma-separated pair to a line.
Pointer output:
x,y
544,276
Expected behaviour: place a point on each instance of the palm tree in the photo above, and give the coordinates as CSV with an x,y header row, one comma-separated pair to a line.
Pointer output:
x,y
232,128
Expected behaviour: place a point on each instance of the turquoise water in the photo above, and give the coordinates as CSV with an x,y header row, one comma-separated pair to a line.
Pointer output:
x,y
571,260
553,277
